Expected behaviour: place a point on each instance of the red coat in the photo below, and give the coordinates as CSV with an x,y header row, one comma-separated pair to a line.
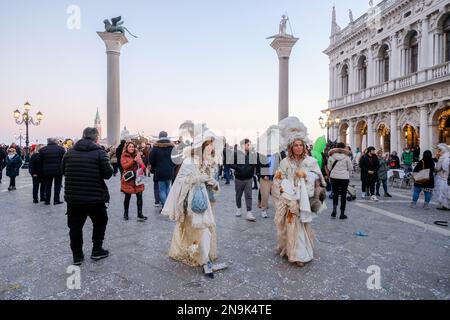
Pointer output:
x,y
129,164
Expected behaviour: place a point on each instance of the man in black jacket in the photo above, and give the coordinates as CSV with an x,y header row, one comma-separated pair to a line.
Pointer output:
x,y
85,168
50,158
161,164
244,168
3,156
369,172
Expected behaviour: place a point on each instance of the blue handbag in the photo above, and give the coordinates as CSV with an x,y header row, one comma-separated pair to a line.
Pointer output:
x,y
199,201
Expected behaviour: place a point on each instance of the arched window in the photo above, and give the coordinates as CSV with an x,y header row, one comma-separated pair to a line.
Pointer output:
x,y
447,38
384,65
344,80
413,52
362,73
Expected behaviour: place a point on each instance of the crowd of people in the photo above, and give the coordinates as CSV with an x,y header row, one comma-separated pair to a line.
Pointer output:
x,y
186,184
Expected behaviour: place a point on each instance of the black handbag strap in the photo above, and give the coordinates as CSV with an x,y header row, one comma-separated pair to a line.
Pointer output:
x,y
334,164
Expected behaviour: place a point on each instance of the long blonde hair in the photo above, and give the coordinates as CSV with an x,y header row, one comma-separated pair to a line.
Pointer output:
x,y
291,149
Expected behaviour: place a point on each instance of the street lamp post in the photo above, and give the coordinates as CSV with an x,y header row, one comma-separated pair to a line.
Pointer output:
x,y
328,123
19,137
27,119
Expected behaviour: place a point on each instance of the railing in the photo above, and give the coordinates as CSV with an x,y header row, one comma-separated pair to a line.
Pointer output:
x,y
422,77
405,82
440,71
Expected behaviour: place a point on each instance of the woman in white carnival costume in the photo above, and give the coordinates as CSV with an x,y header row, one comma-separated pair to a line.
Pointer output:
x,y
442,189
297,178
194,240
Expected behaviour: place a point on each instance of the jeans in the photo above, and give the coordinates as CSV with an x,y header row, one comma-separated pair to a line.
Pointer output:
x,y
339,189
384,182
416,194
76,217
48,188
38,185
164,189
156,192
244,186
115,168
227,173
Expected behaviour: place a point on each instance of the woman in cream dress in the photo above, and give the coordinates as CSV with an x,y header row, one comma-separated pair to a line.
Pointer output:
x,y
442,171
293,215
194,240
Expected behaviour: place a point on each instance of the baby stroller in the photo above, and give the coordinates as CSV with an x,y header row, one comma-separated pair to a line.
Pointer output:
x,y
351,192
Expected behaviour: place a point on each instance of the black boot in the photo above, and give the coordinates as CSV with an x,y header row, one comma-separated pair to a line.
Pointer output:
x,y
342,216
333,214
99,253
140,217
126,205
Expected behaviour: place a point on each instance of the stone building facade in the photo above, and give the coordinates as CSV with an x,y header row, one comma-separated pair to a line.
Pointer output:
x,y
390,76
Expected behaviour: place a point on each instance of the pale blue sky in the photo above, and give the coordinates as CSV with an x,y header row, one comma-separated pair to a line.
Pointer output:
x,y
204,60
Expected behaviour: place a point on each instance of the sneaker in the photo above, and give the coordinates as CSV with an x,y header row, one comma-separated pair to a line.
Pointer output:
x,y
387,195
426,206
250,216
413,205
264,214
373,198
238,213
156,205
78,259
141,218
99,254
343,217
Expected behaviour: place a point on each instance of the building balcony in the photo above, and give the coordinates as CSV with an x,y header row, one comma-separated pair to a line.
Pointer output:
x,y
419,79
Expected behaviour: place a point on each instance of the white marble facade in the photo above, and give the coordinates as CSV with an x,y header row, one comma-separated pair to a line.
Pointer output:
x,y
390,76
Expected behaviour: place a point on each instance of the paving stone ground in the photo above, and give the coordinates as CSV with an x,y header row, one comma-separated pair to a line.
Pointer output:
x,y
413,255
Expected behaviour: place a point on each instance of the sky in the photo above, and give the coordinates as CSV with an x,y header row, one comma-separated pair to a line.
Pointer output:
x,y
201,60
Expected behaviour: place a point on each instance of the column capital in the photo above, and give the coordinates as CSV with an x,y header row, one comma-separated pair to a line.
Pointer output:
x,y
113,41
283,46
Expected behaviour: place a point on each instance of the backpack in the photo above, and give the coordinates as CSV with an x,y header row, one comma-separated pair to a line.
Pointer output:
x,y
199,202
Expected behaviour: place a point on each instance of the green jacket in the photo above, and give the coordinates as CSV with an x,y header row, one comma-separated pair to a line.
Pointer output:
x,y
383,169
407,158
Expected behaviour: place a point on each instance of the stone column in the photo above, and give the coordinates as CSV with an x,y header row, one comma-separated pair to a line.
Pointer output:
x,y
336,133
393,131
424,42
370,132
283,46
424,137
394,59
351,133
113,43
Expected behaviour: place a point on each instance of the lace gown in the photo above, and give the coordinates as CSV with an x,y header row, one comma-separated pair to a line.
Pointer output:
x,y
295,234
194,240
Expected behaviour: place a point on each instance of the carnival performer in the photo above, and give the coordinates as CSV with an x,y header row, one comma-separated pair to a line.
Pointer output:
x,y
194,240
442,173
296,179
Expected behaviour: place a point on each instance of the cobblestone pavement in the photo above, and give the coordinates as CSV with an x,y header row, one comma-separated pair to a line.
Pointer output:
x,y
412,253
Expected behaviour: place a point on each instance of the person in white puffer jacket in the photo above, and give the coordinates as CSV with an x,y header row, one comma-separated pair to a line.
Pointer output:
x,y
339,166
